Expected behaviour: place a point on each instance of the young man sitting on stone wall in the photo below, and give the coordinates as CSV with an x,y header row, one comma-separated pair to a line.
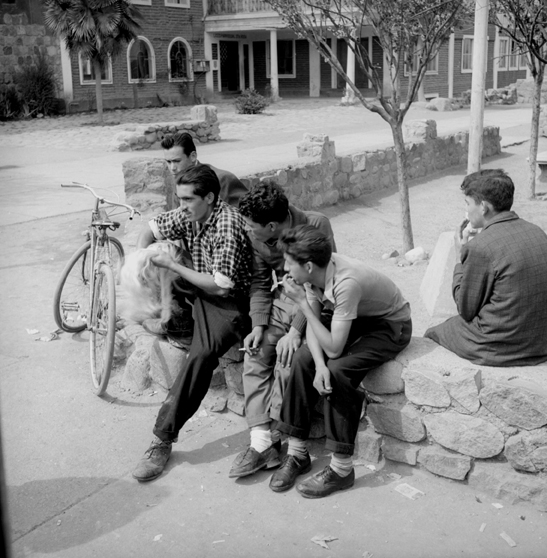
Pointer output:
x,y
500,283
277,324
370,325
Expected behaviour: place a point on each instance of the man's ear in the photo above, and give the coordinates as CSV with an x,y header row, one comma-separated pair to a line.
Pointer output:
x,y
486,208
193,157
309,267
210,197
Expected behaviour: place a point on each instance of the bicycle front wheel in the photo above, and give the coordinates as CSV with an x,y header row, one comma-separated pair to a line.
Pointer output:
x,y
71,298
102,328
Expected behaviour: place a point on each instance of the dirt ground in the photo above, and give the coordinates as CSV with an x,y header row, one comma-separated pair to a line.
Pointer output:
x,y
69,455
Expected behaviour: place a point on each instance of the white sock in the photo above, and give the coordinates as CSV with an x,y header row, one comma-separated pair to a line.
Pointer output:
x,y
342,466
297,447
260,439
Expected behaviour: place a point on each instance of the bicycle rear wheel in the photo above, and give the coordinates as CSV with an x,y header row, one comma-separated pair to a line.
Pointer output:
x,y
102,328
71,298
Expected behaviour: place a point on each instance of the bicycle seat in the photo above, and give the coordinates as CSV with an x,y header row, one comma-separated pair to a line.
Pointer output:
x,y
114,225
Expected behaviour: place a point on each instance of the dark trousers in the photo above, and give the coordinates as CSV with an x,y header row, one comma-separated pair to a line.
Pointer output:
x,y
218,324
371,342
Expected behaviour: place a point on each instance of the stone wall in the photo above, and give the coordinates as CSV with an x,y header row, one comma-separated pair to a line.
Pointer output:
x,y
428,407
525,90
202,126
320,178
20,43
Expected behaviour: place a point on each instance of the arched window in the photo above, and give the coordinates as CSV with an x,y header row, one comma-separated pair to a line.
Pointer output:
x,y
141,61
180,60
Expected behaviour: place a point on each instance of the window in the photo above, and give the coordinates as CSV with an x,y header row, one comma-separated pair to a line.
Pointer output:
x,y
177,3
180,58
285,59
523,61
432,65
514,56
87,71
504,49
467,54
141,61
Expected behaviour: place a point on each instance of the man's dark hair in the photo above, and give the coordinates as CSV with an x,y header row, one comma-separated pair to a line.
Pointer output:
x,y
490,185
203,178
305,243
180,139
263,203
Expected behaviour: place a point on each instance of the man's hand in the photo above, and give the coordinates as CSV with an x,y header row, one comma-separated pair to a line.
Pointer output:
x,y
295,292
322,380
163,260
253,340
465,232
287,346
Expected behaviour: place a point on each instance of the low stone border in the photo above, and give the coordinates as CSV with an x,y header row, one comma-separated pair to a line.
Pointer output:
x,y
203,127
483,425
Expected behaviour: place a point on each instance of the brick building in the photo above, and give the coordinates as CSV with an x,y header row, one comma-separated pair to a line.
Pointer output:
x,y
189,50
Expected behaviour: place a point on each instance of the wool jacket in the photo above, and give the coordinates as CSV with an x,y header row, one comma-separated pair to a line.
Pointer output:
x,y
500,290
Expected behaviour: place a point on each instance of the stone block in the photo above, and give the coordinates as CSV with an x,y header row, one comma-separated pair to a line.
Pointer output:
x,y
236,404
518,403
463,385
166,361
217,404
368,444
359,161
346,164
425,387
385,379
440,104
397,419
218,380
508,485
527,451
445,463
137,370
402,452
464,434
419,130
233,372
207,113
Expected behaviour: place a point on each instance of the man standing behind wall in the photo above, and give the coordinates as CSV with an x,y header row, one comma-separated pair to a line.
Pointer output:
x,y
276,321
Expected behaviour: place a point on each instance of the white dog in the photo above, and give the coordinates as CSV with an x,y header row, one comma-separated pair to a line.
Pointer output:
x,y
145,288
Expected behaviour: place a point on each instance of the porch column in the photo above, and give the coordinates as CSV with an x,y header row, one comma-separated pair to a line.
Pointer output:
x,y
274,79
496,67
66,69
349,97
333,72
241,66
315,71
208,52
251,66
451,43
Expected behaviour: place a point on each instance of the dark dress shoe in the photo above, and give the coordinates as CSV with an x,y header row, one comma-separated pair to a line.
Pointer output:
x,y
325,482
250,461
291,466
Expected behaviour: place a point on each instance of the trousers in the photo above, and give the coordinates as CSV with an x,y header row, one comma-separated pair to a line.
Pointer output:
x,y
263,381
219,323
371,342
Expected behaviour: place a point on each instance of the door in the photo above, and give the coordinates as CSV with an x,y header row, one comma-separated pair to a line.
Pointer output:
x,y
229,65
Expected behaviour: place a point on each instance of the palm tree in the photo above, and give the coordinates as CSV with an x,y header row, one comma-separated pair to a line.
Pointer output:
x,y
95,29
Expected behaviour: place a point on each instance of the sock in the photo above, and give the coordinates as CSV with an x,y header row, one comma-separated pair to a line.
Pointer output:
x,y
342,466
260,439
297,447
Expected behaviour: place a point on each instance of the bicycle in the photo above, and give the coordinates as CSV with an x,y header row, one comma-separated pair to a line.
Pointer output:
x,y
85,297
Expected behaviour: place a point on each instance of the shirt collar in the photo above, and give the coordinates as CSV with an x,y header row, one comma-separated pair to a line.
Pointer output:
x,y
502,217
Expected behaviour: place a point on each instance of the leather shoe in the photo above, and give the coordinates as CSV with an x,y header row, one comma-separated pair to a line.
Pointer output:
x,y
154,460
291,466
250,461
325,482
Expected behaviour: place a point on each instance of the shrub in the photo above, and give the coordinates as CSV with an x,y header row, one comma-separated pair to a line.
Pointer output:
x,y
250,102
36,84
10,102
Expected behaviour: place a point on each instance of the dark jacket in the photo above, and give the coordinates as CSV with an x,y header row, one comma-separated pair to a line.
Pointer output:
x,y
500,289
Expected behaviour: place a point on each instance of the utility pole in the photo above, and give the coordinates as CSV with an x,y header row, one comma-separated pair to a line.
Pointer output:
x,y
480,52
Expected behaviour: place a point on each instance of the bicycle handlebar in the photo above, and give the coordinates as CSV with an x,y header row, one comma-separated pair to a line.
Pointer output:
x,y
132,210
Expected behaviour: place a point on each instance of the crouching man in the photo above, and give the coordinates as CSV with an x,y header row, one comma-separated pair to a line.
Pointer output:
x,y
370,325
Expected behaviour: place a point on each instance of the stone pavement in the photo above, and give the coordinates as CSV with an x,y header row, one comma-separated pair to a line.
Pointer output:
x,y
69,454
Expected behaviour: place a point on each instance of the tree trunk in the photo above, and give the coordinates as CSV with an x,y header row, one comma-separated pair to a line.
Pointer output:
x,y
400,158
534,132
421,91
98,89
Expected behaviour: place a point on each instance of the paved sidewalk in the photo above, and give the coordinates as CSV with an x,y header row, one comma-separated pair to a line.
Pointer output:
x,y
69,455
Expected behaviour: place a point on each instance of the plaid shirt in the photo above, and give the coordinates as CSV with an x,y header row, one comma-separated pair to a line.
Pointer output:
x,y
220,245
